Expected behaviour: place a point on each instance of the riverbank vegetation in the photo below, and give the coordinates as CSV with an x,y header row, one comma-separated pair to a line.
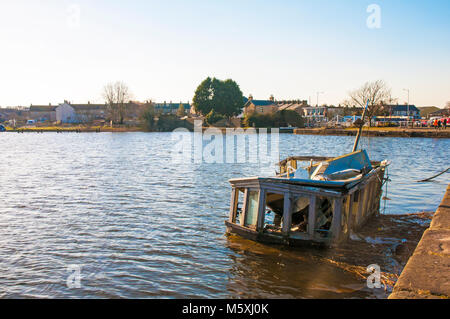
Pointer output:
x,y
155,122
284,118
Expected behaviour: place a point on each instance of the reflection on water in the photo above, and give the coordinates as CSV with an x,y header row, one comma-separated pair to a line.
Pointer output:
x,y
140,226
261,271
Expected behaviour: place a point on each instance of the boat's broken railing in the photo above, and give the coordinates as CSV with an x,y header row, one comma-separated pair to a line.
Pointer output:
x,y
290,164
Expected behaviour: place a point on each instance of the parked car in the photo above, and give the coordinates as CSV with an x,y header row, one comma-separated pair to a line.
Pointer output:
x,y
2,128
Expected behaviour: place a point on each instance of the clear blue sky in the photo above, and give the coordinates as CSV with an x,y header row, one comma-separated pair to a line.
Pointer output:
x,y
164,49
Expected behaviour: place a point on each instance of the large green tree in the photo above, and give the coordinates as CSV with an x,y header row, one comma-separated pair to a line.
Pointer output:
x,y
148,116
224,97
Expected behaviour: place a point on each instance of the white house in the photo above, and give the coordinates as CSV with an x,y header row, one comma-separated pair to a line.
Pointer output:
x,y
65,113
315,113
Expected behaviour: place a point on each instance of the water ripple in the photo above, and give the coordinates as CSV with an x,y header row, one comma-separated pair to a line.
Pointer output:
x,y
141,227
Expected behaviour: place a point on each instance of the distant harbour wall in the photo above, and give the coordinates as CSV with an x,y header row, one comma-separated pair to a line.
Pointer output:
x,y
427,273
377,132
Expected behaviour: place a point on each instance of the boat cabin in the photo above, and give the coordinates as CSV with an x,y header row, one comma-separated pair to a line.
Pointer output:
x,y
317,204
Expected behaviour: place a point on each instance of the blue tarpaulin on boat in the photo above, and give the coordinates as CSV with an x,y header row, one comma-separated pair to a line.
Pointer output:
x,y
358,160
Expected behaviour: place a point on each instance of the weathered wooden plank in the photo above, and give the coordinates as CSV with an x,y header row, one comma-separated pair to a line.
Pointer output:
x,y
244,207
380,192
287,213
351,215
312,216
283,184
359,215
261,209
373,192
367,203
367,179
346,215
278,185
337,219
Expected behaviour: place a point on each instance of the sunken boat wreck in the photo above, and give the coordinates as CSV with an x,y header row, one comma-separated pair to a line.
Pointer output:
x,y
320,203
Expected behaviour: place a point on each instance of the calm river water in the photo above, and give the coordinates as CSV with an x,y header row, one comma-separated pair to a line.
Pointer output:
x,y
115,207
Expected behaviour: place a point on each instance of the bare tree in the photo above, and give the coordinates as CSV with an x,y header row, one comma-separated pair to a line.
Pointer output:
x,y
109,95
447,106
377,93
116,96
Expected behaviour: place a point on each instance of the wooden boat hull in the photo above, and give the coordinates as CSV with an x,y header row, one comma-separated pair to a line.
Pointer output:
x,y
327,212
274,239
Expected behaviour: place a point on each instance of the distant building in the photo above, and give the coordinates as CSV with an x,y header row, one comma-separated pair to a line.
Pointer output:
x,y
260,106
65,113
315,113
10,113
293,106
90,112
68,112
42,113
441,112
80,113
284,106
425,111
402,110
83,113
336,110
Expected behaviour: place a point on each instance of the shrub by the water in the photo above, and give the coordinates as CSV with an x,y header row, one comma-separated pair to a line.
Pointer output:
x,y
214,117
283,118
170,122
154,122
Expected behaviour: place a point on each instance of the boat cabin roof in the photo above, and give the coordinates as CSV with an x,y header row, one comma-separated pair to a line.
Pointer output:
x,y
358,160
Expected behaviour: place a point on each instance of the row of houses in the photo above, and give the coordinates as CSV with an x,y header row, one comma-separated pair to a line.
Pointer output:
x,y
440,113
68,112
319,113
270,106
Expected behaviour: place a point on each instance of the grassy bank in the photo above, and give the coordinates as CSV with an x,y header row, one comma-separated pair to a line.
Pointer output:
x,y
75,129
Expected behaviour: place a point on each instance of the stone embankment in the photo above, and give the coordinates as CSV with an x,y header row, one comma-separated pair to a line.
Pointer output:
x,y
427,273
